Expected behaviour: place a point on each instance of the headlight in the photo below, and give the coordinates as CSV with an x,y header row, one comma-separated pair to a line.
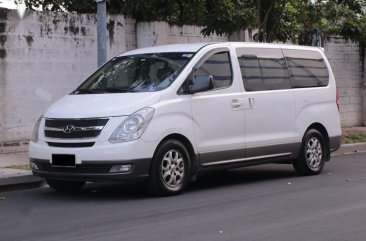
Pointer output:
x,y
35,131
133,127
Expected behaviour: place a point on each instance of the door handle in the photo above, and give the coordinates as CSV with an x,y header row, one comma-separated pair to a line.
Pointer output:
x,y
236,103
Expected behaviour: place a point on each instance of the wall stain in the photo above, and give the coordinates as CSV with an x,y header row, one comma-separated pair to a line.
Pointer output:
x,y
3,14
45,29
29,39
2,40
110,28
74,30
2,36
2,27
5,144
56,20
2,53
83,31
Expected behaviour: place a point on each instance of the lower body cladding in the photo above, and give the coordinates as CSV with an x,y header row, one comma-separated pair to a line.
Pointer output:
x,y
92,171
170,165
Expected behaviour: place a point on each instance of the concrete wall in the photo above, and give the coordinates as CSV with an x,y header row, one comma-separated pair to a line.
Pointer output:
x,y
46,55
158,33
344,57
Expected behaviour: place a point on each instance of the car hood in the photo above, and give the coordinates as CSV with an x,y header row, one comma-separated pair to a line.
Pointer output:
x,y
101,105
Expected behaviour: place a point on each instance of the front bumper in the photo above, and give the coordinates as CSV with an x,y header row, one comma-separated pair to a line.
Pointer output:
x,y
94,163
91,171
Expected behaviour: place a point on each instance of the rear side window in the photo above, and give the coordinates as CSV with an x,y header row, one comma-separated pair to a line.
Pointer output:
x,y
263,69
218,65
307,68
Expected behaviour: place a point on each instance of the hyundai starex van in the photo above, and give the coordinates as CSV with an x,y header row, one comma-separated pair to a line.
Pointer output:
x,y
167,113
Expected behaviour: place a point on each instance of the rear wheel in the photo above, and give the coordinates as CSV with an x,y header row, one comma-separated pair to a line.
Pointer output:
x,y
312,155
65,186
169,173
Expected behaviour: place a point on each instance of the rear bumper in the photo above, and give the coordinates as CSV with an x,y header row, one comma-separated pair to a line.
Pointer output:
x,y
92,171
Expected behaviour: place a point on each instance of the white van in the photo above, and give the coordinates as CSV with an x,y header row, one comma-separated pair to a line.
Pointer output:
x,y
167,113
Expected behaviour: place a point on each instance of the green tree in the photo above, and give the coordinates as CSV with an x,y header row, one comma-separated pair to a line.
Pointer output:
x,y
279,20
227,16
81,6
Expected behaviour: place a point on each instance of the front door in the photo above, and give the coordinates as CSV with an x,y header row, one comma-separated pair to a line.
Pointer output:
x,y
218,114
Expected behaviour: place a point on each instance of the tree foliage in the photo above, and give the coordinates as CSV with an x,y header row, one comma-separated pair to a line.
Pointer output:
x,y
279,20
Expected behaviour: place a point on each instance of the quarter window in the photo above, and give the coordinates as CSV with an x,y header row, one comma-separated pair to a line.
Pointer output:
x,y
307,68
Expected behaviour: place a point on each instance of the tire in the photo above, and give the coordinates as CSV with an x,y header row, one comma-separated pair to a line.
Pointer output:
x,y
312,155
170,170
65,186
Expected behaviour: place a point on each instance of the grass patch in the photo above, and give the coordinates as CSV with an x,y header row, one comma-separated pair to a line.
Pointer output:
x,y
353,138
20,166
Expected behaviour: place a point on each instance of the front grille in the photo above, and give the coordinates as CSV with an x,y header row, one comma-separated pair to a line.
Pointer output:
x,y
84,168
75,145
74,128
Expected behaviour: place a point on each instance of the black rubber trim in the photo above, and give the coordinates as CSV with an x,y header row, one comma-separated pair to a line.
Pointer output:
x,y
72,145
252,152
335,143
92,170
89,177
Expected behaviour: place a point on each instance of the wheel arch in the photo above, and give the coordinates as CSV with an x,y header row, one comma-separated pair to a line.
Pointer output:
x,y
319,127
187,143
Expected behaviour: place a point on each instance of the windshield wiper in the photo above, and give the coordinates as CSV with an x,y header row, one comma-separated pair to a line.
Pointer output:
x,y
87,91
104,90
117,90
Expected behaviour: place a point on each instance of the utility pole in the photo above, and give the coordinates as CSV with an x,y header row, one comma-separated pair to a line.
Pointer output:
x,y
102,31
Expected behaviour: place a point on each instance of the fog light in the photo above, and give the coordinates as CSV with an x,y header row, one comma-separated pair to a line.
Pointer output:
x,y
34,166
121,168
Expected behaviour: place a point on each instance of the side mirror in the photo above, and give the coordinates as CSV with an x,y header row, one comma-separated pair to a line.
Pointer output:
x,y
201,83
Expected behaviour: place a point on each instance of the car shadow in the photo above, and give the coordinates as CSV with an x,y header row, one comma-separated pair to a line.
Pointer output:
x,y
206,181
243,176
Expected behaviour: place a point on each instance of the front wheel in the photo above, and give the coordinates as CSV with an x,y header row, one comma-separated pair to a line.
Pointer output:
x,y
65,186
169,173
312,154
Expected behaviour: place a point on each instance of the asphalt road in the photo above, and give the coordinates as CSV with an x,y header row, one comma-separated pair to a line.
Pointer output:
x,y
258,203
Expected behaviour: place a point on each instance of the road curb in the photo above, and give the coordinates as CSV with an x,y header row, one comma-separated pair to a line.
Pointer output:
x,y
350,148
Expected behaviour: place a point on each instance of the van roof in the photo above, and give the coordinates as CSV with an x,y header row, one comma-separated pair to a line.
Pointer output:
x,y
189,47
194,47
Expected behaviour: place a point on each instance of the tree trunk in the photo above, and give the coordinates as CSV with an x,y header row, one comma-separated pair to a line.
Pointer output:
x,y
259,16
265,20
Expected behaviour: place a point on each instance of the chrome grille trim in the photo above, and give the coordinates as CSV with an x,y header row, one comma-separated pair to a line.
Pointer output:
x,y
89,128
74,128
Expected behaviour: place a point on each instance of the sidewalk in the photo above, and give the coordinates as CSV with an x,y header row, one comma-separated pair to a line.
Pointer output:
x,y
12,178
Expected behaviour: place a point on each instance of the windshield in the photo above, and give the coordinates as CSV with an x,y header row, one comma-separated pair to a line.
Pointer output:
x,y
135,73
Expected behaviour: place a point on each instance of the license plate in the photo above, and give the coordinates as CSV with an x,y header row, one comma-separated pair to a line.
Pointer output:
x,y
63,160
